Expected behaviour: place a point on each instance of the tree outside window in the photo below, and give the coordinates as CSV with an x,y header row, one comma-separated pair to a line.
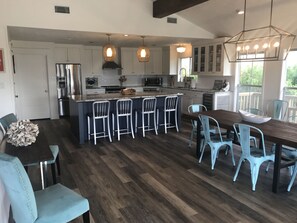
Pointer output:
x,y
250,85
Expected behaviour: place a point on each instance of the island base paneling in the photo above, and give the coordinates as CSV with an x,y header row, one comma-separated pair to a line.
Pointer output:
x,y
80,108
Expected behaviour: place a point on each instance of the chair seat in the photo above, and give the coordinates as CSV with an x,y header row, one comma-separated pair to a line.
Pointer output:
x,y
59,204
291,153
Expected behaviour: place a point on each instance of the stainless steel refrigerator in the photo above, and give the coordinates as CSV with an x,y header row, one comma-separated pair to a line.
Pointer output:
x,y
68,83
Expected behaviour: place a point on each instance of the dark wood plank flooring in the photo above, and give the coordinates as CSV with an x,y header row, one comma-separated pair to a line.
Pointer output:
x,y
158,179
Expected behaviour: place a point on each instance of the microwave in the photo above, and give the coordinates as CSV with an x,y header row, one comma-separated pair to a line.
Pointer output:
x,y
91,82
153,81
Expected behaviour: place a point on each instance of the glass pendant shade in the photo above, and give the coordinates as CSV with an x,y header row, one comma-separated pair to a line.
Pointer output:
x,y
261,44
180,49
109,51
143,53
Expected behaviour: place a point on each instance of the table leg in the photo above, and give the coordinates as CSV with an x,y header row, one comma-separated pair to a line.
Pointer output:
x,y
277,167
198,144
43,179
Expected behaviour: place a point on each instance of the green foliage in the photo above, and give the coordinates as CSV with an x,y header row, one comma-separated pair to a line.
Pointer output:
x,y
291,76
252,75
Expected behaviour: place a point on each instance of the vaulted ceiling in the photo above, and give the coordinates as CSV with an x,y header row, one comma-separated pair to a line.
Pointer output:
x,y
216,16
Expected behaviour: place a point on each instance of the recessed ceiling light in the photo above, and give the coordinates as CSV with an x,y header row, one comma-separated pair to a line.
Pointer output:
x,y
126,35
239,12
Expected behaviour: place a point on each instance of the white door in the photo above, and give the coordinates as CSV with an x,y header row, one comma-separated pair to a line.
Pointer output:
x,y
31,86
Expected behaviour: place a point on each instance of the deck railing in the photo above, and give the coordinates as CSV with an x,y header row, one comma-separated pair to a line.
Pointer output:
x,y
250,96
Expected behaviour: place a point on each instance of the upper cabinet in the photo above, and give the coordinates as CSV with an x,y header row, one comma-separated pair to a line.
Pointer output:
x,y
92,61
169,60
154,66
209,59
130,63
65,54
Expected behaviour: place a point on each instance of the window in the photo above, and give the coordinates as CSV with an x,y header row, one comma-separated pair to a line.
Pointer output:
x,y
184,68
290,90
250,85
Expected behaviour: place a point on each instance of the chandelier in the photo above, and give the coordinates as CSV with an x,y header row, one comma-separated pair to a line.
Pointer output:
x,y
143,52
267,43
109,51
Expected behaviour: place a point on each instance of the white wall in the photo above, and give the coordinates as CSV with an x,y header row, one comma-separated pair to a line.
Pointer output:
x,y
112,16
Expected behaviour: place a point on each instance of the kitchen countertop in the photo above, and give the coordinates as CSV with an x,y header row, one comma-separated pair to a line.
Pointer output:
x,y
116,96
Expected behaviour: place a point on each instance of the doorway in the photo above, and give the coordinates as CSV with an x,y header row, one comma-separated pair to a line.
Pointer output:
x,y
31,85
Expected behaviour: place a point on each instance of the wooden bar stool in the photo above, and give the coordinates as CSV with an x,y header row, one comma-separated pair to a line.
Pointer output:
x,y
123,109
100,111
148,109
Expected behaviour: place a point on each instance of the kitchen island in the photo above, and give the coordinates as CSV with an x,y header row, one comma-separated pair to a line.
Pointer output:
x,y
81,105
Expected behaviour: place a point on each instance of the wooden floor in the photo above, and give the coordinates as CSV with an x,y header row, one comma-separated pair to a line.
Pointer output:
x,y
158,179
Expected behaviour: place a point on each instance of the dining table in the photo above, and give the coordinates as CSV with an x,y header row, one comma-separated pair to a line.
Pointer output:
x,y
38,152
279,132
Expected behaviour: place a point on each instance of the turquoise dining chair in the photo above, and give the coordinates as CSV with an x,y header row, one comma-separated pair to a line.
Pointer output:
x,y
291,153
5,122
254,154
279,109
215,142
192,109
56,203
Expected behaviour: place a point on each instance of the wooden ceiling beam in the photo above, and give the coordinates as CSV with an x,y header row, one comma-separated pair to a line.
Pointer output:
x,y
162,8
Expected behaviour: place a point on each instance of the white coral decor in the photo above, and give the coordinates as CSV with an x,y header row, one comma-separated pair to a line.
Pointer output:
x,y
22,133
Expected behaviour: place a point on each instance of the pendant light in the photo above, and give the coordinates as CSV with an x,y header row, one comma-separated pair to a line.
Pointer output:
x,y
267,43
180,49
143,53
109,51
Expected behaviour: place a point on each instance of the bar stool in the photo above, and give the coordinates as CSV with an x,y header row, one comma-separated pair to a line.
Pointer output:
x,y
170,106
123,109
148,109
100,111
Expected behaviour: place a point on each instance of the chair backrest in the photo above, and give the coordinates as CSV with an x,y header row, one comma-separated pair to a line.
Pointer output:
x,y
204,119
124,107
196,108
279,109
149,105
101,109
171,103
7,120
255,111
19,189
243,133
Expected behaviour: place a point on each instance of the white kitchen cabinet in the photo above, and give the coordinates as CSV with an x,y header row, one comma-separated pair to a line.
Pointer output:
x,y
67,54
209,59
154,66
189,97
130,63
92,61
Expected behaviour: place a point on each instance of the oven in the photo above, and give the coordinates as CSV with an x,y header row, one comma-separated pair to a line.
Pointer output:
x,y
153,82
113,89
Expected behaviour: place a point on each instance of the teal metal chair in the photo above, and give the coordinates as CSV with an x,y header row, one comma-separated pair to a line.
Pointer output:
x,y
192,109
255,155
215,142
291,153
56,203
279,109
5,122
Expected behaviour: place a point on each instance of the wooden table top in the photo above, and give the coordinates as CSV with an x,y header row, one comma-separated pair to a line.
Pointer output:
x,y
34,153
281,132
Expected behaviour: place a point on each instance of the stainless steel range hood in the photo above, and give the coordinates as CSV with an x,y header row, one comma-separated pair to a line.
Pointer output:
x,y
111,65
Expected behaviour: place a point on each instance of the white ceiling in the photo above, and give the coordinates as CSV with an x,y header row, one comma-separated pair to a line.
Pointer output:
x,y
216,16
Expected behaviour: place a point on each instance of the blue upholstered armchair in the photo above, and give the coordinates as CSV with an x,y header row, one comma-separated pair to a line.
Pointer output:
x,y
56,203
